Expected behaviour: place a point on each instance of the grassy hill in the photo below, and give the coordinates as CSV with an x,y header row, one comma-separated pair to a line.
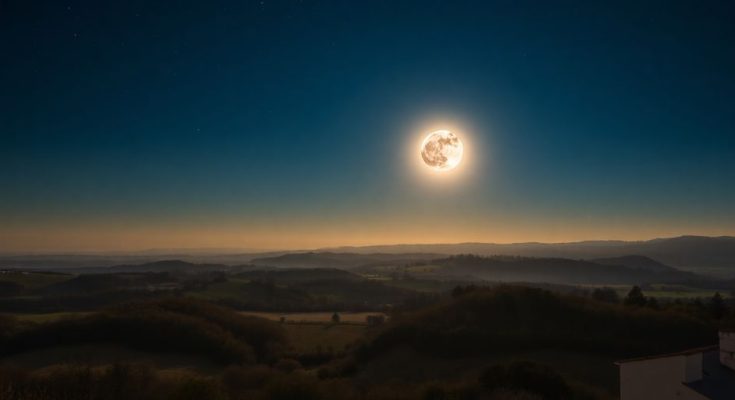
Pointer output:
x,y
552,270
181,326
511,318
635,262
692,253
301,290
340,260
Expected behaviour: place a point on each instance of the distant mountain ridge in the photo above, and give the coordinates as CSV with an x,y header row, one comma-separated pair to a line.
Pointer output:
x,y
339,260
701,254
620,270
692,253
560,270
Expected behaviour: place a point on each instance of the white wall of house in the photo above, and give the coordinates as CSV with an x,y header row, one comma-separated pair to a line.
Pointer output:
x,y
661,378
727,349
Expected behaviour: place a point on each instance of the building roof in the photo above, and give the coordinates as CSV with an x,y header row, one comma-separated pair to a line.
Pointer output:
x,y
680,353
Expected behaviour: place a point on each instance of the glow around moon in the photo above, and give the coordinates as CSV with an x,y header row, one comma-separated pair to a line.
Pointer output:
x,y
442,150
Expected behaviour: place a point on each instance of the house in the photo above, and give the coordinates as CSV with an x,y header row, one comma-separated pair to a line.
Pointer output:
x,y
695,374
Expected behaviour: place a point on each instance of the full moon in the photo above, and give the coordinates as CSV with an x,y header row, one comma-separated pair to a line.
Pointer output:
x,y
442,150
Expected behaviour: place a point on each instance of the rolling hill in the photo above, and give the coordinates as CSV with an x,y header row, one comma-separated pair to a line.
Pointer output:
x,y
635,262
701,254
345,261
711,255
552,270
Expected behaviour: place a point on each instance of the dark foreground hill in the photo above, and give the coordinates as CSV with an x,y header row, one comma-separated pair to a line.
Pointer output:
x,y
175,325
512,318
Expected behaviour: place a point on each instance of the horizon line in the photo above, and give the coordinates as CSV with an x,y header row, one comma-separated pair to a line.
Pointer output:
x,y
244,250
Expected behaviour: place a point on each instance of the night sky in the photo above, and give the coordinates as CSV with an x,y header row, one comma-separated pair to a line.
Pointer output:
x,y
268,125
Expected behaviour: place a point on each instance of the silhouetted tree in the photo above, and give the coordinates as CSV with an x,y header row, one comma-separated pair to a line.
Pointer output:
x,y
635,297
717,306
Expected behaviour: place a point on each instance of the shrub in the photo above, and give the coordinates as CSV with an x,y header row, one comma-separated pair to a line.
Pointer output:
x,y
511,318
293,387
182,326
526,376
198,388
288,365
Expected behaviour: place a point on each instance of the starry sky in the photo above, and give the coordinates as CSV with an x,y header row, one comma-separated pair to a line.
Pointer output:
x,y
292,124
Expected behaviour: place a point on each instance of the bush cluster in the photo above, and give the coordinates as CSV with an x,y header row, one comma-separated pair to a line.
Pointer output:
x,y
172,325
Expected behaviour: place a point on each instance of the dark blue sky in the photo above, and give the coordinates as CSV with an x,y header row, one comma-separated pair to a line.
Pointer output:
x,y
288,124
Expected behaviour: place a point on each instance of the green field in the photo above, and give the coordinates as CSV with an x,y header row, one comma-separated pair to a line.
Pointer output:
x,y
48,317
232,290
312,332
33,280
306,332
666,291
424,268
681,291
424,285
314,317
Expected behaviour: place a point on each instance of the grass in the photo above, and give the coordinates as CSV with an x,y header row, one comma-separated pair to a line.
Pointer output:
x,y
312,332
424,285
681,291
417,269
98,354
33,280
232,290
313,337
49,317
666,291
675,294
406,365
314,317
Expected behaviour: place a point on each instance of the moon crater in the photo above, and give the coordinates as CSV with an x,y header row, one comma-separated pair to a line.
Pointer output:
x,y
442,150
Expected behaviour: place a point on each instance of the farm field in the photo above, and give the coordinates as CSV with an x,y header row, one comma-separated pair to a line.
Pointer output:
x,y
316,337
49,317
306,332
313,332
33,280
314,317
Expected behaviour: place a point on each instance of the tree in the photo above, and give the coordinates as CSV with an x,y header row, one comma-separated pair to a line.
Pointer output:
x,y
717,306
635,297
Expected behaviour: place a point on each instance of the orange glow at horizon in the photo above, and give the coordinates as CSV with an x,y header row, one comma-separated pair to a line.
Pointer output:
x,y
109,238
